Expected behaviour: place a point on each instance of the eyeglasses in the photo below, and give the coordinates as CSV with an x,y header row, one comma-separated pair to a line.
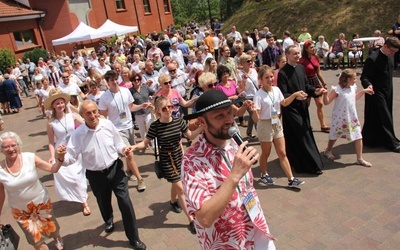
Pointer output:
x,y
10,146
167,108
212,85
393,50
172,70
166,83
137,79
249,61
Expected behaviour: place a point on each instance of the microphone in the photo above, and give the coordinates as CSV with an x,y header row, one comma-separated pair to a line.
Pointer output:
x,y
234,133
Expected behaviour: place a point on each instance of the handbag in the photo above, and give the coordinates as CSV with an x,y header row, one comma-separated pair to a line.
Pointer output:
x,y
9,239
157,163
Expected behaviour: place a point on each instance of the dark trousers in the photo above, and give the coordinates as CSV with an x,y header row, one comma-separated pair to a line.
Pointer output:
x,y
102,184
396,59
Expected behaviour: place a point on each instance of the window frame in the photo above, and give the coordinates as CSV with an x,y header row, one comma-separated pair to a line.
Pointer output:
x,y
25,45
146,7
167,6
120,2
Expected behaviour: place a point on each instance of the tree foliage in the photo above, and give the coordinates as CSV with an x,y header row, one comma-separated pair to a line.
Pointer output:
x,y
34,55
7,58
186,10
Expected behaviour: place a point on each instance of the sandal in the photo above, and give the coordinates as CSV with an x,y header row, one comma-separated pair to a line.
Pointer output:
x,y
86,210
364,163
325,129
59,243
329,155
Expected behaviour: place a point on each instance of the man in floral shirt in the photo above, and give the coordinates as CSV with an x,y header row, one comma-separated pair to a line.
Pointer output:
x,y
218,182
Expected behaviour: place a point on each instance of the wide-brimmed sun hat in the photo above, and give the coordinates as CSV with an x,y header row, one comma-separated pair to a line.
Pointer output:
x,y
54,95
208,101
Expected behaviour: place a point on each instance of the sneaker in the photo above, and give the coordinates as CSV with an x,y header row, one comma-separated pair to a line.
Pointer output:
x,y
266,179
295,182
175,207
141,185
130,175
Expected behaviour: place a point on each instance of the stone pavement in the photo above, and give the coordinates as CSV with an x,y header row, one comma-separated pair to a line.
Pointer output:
x,y
348,207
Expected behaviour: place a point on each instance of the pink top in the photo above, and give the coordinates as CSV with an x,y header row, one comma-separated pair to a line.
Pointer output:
x,y
310,65
231,91
126,85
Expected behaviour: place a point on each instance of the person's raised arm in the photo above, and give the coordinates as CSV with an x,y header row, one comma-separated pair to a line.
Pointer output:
x,y
45,166
214,207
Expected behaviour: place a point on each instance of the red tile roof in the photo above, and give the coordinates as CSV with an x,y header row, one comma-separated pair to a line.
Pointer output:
x,y
9,8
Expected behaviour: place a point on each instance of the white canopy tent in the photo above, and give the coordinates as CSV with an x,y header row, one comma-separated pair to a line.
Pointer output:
x,y
81,33
109,28
84,32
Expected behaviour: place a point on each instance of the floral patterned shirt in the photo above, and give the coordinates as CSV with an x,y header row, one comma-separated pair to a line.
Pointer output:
x,y
205,169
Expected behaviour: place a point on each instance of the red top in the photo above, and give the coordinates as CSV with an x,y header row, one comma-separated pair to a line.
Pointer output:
x,y
310,65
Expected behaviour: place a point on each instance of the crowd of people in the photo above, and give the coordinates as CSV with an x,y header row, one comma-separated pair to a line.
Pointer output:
x,y
95,100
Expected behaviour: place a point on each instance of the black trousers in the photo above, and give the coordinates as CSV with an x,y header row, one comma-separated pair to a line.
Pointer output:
x,y
102,184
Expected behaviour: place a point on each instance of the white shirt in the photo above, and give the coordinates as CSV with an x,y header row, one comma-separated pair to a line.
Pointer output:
x,y
179,82
263,102
99,147
286,43
71,87
103,70
154,77
117,107
198,65
251,82
178,56
235,35
75,79
216,42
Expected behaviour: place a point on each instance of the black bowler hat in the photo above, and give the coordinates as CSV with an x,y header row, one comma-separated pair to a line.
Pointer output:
x,y
209,100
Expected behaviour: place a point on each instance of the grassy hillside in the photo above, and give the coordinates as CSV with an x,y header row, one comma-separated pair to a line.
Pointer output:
x,y
321,17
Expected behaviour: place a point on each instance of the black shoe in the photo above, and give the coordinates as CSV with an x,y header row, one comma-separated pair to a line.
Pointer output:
x,y
135,126
192,228
175,207
397,149
138,245
109,227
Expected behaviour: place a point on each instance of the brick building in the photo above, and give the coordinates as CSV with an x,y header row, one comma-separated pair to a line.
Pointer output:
x,y
27,24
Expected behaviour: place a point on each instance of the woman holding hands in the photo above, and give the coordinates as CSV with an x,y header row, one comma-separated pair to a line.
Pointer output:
x,y
266,112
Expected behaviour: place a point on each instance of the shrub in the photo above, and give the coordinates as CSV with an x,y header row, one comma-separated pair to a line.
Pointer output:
x,y
34,55
7,58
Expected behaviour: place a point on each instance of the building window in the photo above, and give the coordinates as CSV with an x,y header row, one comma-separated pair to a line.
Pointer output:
x,y
146,6
166,6
120,4
25,38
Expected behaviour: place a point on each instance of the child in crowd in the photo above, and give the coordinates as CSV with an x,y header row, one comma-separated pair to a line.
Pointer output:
x,y
345,123
280,62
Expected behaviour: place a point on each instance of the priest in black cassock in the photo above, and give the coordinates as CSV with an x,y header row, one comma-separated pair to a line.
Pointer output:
x,y
301,148
378,116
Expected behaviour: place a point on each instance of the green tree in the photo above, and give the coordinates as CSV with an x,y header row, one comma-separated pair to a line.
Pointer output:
x,y
7,58
186,10
34,55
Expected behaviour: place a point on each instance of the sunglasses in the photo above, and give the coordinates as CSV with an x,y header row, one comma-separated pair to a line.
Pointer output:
x,y
249,61
137,79
167,108
172,70
166,83
212,85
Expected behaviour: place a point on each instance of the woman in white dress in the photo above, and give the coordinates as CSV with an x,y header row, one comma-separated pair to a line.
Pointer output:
x,y
43,94
27,197
70,182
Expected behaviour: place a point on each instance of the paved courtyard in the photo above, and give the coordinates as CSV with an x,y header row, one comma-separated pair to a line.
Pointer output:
x,y
348,207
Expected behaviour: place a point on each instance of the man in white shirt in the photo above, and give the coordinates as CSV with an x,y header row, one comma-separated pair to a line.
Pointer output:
x,y
287,41
103,67
235,34
73,78
69,87
93,61
150,76
177,55
99,144
322,49
117,104
261,46
198,35
198,63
